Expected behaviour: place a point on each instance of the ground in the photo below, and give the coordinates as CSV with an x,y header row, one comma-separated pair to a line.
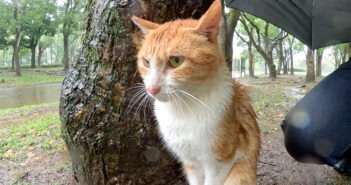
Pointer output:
x,y
33,152
31,76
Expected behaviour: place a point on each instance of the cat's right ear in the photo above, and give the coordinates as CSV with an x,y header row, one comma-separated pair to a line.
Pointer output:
x,y
144,25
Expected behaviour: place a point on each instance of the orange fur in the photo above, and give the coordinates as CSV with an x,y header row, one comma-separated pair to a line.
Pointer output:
x,y
239,130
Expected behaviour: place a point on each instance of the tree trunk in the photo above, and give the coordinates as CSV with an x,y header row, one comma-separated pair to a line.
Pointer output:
x,y
16,51
291,61
251,58
13,58
32,61
65,60
281,56
39,55
108,145
251,63
310,74
319,56
232,19
272,70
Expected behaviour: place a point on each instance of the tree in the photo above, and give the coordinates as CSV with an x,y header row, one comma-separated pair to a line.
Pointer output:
x,y
43,45
281,55
107,145
6,34
250,52
319,56
17,26
310,75
71,16
231,19
269,41
39,21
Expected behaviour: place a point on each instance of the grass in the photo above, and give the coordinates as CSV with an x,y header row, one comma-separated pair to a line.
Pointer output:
x,y
31,76
14,112
41,134
344,180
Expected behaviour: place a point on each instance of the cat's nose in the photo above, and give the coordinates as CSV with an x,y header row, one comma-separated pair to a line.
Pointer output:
x,y
153,89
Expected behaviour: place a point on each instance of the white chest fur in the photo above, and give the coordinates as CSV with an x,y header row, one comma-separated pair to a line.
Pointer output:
x,y
188,129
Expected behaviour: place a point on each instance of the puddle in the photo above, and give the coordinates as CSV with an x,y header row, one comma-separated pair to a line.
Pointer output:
x,y
13,97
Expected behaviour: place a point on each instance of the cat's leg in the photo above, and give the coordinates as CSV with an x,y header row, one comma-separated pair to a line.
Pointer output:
x,y
216,172
194,174
244,172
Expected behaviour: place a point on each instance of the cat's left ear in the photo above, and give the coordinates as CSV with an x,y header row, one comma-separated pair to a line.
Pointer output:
x,y
144,25
209,23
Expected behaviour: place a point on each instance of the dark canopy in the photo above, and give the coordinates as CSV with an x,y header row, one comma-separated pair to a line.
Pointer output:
x,y
317,23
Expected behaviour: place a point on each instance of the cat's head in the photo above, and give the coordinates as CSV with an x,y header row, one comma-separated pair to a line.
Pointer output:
x,y
179,55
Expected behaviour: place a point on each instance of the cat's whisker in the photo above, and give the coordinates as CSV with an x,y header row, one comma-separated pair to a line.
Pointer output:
x,y
194,98
146,105
136,85
144,96
137,96
177,103
182,100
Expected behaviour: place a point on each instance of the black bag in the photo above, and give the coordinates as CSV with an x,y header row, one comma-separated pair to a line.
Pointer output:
x,y
318,128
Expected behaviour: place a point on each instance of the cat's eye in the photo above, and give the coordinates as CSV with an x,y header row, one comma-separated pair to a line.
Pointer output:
x,y
176,61
146,63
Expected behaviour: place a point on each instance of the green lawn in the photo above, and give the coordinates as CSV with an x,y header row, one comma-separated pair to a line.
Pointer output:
x,y
31,76
41,134
21,111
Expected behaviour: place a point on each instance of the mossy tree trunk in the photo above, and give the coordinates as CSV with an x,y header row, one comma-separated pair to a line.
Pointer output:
x,y
107,145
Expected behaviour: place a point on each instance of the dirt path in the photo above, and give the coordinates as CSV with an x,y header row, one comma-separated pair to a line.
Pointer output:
x,y
38,167
276,166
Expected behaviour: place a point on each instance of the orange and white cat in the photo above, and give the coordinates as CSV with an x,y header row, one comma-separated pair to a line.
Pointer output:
x,y
204,117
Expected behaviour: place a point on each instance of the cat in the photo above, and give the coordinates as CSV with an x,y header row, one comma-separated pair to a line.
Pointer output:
x,y
204,117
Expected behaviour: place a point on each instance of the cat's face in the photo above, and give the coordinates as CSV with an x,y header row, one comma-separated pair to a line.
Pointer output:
x,y
179,55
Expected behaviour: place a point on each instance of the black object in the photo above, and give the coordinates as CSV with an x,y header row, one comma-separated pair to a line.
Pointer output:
x,y
318,128
317,23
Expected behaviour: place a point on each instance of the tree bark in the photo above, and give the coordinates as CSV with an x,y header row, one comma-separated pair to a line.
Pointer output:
x,y
32,49
65,33
65,60
108,145
319,56
291,61
232,19
40,53
251,57
16,51
281,56
310,74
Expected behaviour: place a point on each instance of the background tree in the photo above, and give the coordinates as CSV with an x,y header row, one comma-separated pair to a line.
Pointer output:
x,y
270,38
319,57
39,21
250,51
310,74
231,19
107,145
71,16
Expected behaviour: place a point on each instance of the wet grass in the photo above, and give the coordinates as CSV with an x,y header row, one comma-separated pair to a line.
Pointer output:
x,y
22,111
344,180
40,134
31,76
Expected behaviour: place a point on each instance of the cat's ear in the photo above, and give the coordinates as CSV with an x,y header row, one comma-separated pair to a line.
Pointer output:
x,y
144,25
209,23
